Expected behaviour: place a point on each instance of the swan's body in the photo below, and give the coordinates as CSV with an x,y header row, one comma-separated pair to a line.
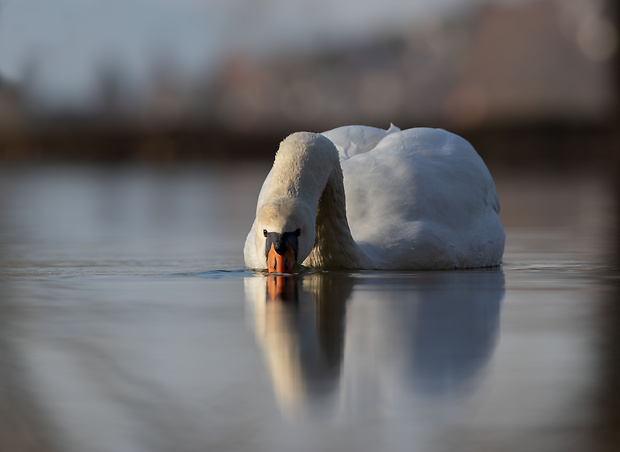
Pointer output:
x,y
415,199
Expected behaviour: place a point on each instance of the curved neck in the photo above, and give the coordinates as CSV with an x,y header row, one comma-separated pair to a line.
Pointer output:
x,y
307,172
334,247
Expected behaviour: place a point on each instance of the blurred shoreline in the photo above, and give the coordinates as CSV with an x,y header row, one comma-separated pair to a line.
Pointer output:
x,y
526,83
553,144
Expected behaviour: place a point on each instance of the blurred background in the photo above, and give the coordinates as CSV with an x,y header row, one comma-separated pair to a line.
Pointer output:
x,y
201,79
134,138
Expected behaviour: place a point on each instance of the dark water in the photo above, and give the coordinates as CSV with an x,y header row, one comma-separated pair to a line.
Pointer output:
x,y
129,324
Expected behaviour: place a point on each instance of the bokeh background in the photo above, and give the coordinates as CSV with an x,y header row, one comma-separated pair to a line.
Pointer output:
x,y
523,80
98,96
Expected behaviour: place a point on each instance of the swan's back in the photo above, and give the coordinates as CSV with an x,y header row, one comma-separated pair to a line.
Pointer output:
x,y
419,198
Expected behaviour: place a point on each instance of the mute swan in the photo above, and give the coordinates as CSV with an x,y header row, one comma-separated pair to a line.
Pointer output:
x,y
415,199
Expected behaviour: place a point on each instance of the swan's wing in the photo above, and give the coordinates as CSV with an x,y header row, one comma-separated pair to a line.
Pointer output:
x,y
423,198
353,140
445,160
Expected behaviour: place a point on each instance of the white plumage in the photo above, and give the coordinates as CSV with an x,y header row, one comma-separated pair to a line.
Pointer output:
x,y
415,199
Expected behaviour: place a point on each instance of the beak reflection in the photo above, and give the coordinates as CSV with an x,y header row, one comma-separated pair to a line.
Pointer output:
x,y
283,288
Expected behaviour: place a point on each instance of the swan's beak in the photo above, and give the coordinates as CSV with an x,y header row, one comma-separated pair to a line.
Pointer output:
x,y
281,263
281,251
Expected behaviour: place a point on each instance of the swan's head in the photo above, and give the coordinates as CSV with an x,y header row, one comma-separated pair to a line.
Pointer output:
x,y
284,234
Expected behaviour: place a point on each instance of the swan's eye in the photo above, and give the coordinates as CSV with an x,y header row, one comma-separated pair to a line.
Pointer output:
x,y
265,232
298,232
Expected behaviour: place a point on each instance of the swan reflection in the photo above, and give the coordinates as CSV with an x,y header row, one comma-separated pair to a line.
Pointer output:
x,y
299,322
348,342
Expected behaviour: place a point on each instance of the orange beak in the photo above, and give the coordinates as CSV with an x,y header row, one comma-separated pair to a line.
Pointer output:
x,y
281,263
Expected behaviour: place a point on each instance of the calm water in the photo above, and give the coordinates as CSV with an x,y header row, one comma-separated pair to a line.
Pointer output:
x,y
129,324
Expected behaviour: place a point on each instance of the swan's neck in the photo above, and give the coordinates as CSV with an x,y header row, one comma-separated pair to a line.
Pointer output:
x,y
307,172
334,246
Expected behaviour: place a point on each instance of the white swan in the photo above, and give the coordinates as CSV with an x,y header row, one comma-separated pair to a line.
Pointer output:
x,y
415,199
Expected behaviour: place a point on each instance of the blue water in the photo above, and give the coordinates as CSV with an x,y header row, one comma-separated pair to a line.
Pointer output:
x,y
130,324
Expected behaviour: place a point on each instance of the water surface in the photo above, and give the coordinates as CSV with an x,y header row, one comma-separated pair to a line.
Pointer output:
x,y
130,324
